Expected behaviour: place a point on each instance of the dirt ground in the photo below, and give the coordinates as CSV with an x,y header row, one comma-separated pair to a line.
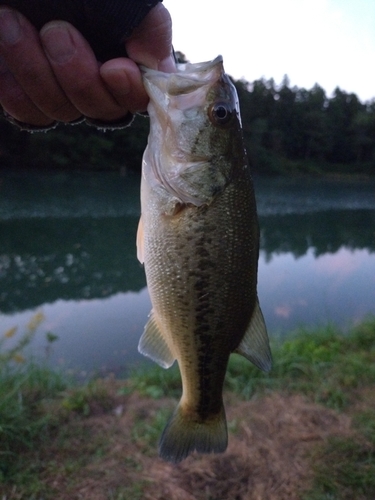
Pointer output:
x,y
267,458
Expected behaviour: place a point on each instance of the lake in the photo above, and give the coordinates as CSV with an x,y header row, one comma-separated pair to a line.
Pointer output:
x,y
67,252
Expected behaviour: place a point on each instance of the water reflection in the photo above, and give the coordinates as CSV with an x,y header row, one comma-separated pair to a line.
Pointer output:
x,y
67,247
46,259
93,334
323,232
333,287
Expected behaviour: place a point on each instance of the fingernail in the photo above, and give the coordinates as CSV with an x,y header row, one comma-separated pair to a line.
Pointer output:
x,y
10,29
57,42
167,65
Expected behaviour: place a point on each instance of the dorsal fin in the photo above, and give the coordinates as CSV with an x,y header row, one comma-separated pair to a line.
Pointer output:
x,y
153,345
255,344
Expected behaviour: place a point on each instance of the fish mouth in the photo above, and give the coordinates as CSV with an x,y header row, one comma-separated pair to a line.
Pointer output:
x,y
204,66
189,75
189,78
195,70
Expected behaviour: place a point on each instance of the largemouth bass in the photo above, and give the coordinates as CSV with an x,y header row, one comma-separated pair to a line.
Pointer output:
x,y
198,238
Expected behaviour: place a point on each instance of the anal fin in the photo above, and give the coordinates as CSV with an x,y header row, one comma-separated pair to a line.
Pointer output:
x,y
255,344
153,345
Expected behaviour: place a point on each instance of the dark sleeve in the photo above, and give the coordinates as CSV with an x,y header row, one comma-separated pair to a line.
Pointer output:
x,y
104,23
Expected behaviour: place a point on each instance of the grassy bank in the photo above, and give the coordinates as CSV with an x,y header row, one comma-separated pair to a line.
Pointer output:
x,y
304,431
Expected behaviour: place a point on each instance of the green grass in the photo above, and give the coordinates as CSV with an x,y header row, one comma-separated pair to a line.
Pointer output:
x,y
83,399
34,402
344,469
155,382
328,367
321,363
364,421
24,388
135,492
147,431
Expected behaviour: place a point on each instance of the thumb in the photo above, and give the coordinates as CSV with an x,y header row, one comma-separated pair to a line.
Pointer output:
x,y
151,42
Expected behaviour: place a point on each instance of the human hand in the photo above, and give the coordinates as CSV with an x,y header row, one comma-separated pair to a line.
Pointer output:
x,y
54,76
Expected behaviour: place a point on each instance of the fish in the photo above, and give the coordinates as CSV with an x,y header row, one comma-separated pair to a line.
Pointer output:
x,y
198,238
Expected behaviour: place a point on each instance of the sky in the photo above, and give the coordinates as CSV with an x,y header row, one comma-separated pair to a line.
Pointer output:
x,y
329,42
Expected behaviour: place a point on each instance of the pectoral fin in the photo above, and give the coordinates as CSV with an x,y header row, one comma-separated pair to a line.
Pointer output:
x,y
153,345
255,344
140,241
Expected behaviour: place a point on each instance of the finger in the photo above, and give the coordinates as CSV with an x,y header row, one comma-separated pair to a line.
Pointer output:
x,y
16,103
151,43
123,79
32,75
77,71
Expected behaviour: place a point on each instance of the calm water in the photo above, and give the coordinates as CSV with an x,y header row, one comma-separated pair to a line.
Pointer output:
x,y
67,250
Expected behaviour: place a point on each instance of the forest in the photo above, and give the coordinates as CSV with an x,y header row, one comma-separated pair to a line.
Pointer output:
x,y
287,131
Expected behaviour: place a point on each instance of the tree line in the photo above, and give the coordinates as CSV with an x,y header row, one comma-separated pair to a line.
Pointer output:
x,y
289,129
286,129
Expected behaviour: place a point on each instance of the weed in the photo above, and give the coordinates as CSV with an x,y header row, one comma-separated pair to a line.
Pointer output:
x,y
364,421
41,424
155,382
147,431
344,469
84,400
24,386
323,364
135,492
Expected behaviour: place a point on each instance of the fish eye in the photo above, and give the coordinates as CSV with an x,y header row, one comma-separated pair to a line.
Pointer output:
x,y
220,113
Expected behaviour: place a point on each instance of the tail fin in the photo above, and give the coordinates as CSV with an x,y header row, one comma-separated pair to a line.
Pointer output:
x,y
183,434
